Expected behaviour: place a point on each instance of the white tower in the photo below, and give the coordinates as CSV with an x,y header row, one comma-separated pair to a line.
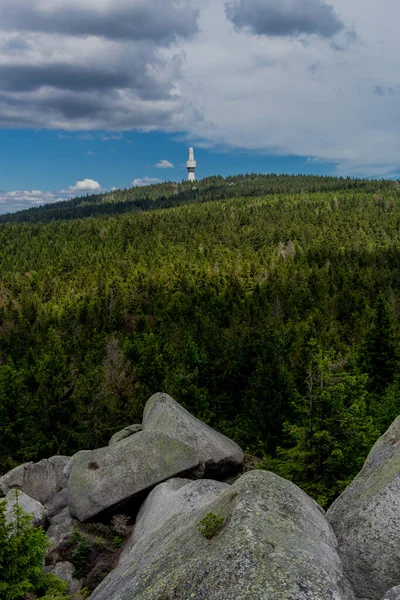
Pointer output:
x,y
191,165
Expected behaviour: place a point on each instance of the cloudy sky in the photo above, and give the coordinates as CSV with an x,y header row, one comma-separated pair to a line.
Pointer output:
x,y
96,94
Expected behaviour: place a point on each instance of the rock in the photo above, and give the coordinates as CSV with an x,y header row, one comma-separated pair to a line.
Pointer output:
x,y
124,433
274,544
40,481
108,479
29,505
220,455
57,503
65,571
366,520
175,496
393,594
61,527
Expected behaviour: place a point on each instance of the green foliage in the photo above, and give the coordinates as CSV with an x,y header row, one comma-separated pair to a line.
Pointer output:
x,y
22,552
80,553
211,525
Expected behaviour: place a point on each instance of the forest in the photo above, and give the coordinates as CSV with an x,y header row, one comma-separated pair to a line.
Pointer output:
x,y
269,306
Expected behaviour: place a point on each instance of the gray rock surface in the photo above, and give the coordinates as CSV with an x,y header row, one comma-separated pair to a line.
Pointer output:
x,y
275,544
65,571
393,594
366,520
220,455
107,479
175,496
124,433
61,527
29,505
41,481
57,503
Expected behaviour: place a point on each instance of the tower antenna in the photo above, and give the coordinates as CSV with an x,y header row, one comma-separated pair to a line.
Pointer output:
x,y
191,166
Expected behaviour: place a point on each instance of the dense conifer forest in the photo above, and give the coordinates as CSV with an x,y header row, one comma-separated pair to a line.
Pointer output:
x,y
268,305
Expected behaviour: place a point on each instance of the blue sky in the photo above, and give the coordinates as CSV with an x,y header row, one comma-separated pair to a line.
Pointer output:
x,y
93,95
58,158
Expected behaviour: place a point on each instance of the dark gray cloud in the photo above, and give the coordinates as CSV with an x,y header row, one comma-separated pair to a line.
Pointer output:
x,y
160,21
119,79
78,78
284,17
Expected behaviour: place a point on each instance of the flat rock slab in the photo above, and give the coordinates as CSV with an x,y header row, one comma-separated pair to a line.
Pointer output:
x,y
107,479
175,496
220,455
29,506
366,520
40,481
274,544
124,433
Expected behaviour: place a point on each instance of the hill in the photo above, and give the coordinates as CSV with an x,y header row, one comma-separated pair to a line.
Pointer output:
x,y
274,317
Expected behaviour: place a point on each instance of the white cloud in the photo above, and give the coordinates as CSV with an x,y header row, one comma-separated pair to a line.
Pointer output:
x,y
22,199
164,164
142,181
91,153
87,185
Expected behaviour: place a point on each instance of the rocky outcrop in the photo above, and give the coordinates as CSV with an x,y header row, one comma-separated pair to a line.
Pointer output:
x,y
40,481
274,543
108,479
124,433
57,503
29,506
220,455
173,497
366,520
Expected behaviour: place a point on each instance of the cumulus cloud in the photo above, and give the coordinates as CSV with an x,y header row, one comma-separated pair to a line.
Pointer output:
x,y
142,181
164,164
22,199
284,17
86,185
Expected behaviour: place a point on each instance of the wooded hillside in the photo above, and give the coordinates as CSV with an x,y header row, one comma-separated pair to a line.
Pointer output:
x,y
272,316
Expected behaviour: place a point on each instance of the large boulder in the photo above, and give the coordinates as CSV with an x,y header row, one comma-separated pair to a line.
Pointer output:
x,y
41,481
275,543
175,496
57,503
220,455
366,520
124,433
29,506
109,479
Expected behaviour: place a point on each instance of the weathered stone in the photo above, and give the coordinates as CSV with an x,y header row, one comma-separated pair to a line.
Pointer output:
x,y
393,594
40,481
124,433
220,455
366,520
107,479
274,544
65,571
29,505
57,503
175,496
61,527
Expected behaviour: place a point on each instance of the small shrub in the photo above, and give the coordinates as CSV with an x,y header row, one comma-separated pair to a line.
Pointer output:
x,y
211,525
120,524
80,555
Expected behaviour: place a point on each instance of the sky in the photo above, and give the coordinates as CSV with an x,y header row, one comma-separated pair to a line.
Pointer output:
x,y
97,94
